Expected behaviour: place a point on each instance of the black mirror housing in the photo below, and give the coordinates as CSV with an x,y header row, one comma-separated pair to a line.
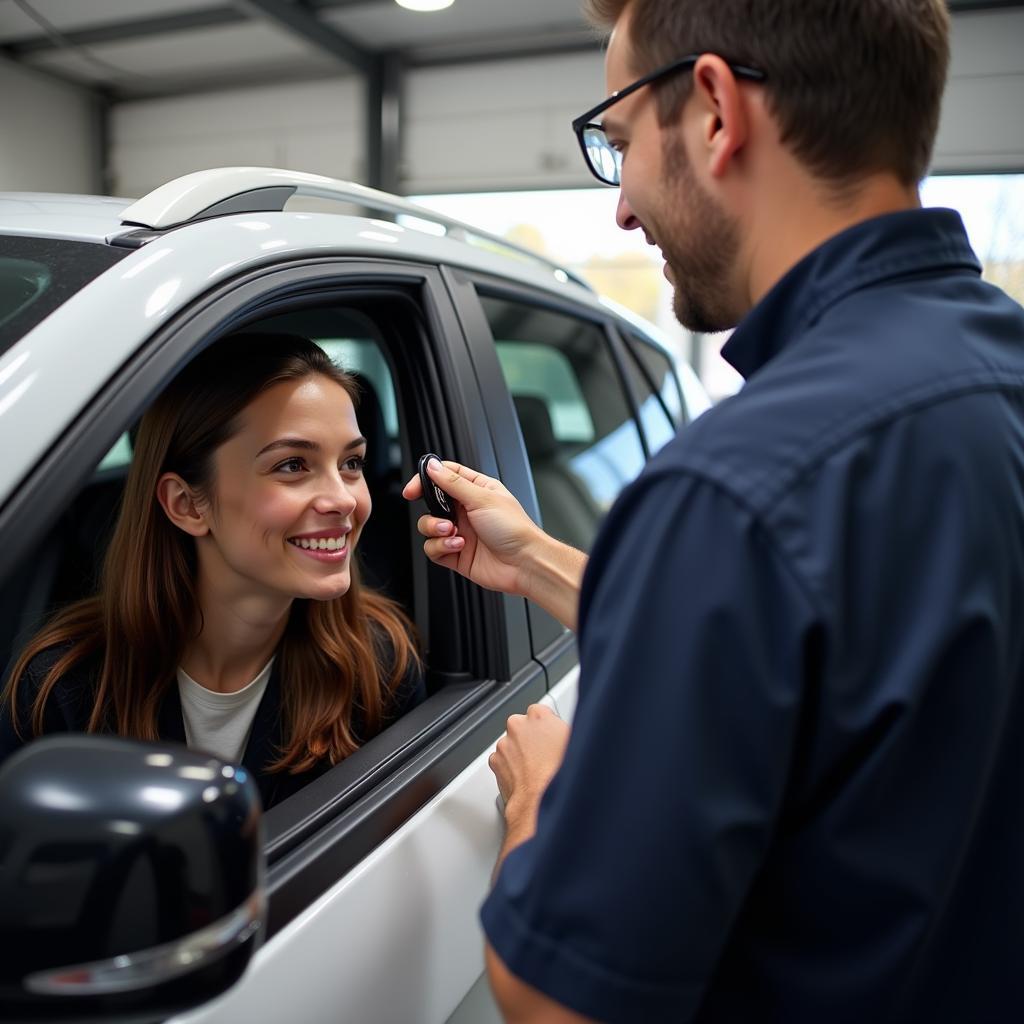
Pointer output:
x,y
131,879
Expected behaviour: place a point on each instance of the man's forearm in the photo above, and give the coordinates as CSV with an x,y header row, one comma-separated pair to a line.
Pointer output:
x,y
518,828
552,577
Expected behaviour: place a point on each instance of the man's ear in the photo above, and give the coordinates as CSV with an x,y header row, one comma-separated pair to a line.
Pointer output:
x,y
725,121
179,505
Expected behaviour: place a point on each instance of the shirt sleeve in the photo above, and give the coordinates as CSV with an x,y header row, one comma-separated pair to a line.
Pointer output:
x,y
691,650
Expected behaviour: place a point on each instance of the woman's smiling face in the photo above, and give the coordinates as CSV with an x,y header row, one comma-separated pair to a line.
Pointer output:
x,y
289,497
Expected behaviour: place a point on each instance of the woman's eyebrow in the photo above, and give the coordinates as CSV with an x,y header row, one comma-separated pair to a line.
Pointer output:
x,y
304,445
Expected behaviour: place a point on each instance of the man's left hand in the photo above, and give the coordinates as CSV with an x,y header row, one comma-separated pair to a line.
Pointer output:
x,y
524,762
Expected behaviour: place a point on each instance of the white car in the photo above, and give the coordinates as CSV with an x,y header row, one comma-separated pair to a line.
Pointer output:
x,y
361,891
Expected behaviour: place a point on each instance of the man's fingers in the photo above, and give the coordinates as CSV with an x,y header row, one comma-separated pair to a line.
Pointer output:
x,y
431,526
413,489
463,484
539,711
444,550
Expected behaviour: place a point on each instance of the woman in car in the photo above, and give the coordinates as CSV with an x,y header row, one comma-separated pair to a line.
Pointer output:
x,y
230,614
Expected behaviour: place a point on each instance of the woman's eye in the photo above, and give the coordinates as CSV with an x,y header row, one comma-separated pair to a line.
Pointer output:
x,y
354,464
289,466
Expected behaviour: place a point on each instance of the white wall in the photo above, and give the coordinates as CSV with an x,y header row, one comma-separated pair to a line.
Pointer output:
x,y
311,126
504,125
49,134
982,125
471,127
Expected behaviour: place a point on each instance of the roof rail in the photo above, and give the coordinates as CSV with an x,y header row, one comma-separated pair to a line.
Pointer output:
x,y
226,190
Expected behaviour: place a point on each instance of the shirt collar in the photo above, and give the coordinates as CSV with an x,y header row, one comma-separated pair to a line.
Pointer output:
x,y
876,250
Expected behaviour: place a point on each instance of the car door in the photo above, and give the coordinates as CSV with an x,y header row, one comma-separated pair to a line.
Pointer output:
x,y
375,870
577,413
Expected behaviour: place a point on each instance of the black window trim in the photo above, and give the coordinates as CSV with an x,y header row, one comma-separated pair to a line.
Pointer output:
x,y
628,337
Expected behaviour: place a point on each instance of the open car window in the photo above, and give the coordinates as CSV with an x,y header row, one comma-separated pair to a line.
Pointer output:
x,y
403,345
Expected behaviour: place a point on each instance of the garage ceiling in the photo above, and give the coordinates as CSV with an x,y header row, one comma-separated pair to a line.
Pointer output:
x,y
132,49
145,48
140,49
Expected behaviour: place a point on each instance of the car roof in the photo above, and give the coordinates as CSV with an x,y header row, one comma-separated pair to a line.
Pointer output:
x,y
177,249
225,191
52,215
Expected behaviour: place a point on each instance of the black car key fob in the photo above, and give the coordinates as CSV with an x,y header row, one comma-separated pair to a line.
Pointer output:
x,y
439,504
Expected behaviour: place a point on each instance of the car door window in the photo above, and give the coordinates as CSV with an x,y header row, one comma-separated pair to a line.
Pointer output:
x,y
583,443
659,400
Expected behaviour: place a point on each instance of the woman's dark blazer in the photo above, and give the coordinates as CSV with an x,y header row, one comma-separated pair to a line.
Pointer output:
x,y
71,701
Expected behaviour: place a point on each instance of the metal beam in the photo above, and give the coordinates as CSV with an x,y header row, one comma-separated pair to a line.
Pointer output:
x,y
104,143
384,123
120,31
139,28
227,80
489,54
300,22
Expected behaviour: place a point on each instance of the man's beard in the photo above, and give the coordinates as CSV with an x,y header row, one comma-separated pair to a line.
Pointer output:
x,y
700,243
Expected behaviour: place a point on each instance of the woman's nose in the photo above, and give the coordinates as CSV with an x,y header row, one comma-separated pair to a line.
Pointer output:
x,y
335,497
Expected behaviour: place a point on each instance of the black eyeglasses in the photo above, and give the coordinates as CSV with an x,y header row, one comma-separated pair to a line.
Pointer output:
x,y
603,159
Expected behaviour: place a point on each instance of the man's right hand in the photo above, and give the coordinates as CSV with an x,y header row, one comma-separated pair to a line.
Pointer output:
x,y
496,544
488,545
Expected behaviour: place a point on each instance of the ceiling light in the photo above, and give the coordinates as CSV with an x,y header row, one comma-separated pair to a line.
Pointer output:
x,y
424,5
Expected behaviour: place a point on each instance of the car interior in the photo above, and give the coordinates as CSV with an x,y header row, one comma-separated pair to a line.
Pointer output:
x,y
66,565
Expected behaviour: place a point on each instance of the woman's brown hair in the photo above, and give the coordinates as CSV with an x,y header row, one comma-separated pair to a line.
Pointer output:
x,y
338,658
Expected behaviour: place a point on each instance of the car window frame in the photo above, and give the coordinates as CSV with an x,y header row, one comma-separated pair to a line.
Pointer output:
x,y
554,645
391,777
627,337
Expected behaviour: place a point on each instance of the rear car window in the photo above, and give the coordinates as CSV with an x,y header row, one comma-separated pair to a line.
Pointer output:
x,y
39,274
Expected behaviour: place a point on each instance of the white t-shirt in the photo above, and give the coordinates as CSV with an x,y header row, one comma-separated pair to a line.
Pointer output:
x,y
219,723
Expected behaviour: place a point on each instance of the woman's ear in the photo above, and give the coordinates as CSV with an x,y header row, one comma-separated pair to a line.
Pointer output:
x,y
179,505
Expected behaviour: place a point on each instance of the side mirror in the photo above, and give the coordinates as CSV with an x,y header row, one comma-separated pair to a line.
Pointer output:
x,y
131,879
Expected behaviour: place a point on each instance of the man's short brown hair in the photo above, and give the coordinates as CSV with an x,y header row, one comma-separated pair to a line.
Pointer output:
x,y
855,85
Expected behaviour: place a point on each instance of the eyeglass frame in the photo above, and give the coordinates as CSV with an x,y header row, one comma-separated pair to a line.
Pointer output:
x,y
585,121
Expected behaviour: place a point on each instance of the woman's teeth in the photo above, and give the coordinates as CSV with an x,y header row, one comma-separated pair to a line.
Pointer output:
x,y
319,544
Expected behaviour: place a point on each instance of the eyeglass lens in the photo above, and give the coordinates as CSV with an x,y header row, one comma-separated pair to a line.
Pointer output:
x,y
605,160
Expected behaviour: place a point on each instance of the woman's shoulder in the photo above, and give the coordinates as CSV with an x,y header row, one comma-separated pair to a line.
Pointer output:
x,y
68,689
43,662
68,704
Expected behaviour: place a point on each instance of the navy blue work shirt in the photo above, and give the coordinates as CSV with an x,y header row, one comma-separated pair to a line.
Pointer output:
x,y
794,789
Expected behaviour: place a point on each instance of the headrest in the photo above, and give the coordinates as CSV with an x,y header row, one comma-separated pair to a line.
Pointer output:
x,y
535,422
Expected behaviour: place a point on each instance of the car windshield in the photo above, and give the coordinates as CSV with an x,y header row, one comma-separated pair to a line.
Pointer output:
x,y
39,274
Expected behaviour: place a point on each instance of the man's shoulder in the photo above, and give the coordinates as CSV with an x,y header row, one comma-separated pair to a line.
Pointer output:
x,y
848,376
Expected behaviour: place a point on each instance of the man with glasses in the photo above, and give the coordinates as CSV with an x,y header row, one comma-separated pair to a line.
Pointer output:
x,y
794,785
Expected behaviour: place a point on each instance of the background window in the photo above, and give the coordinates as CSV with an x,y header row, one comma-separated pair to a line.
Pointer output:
x,y
580,435
576,227
657,388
